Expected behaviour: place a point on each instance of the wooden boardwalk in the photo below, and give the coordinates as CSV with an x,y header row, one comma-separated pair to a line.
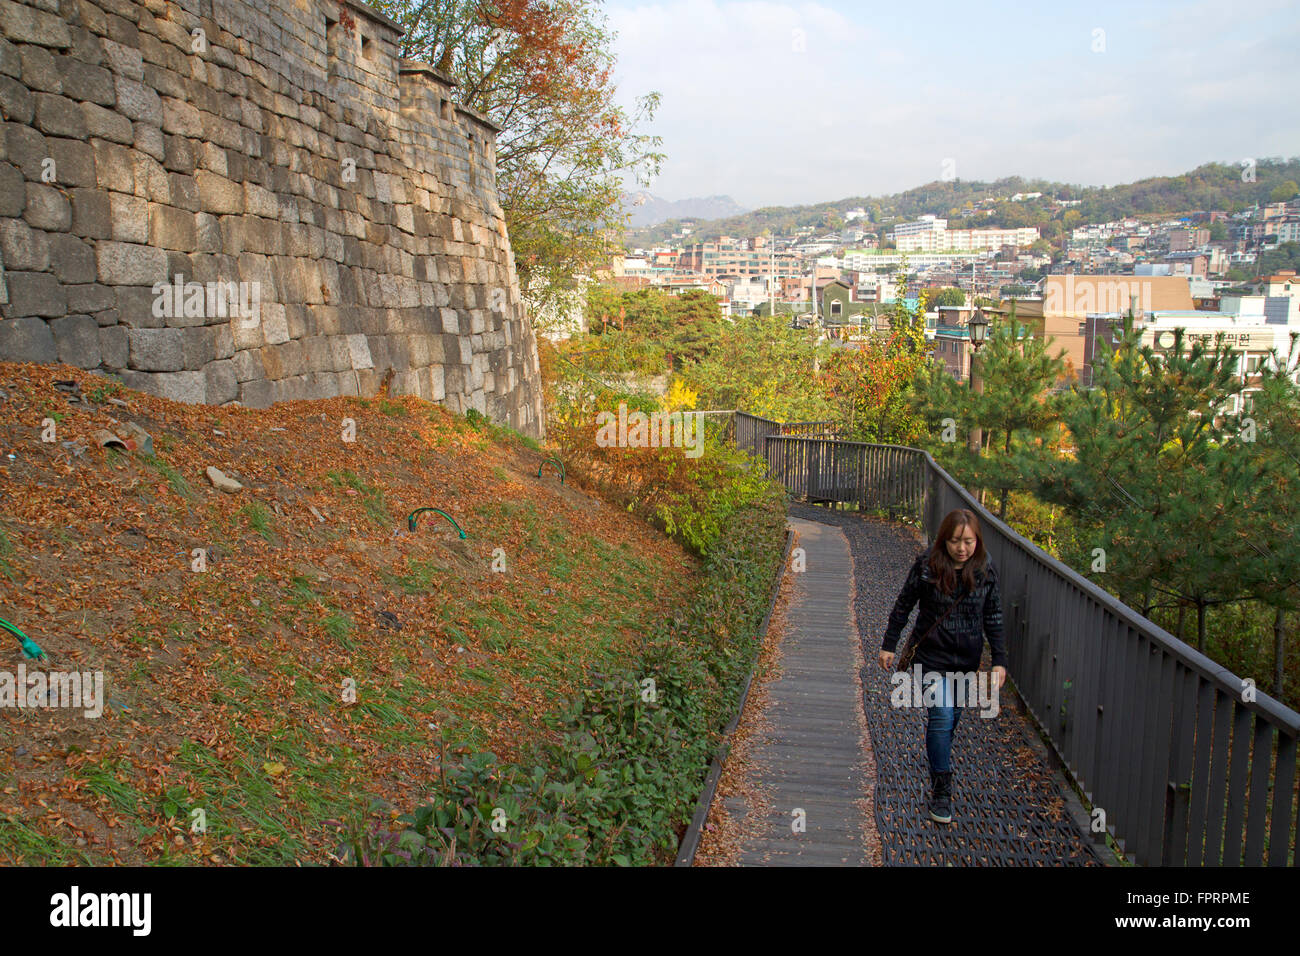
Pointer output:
x,y
811,757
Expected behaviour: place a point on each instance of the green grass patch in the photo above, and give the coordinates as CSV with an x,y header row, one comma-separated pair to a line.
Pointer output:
x,y
372,498
6,550
103,780
102,393
257,518
526,440
243,802
338,626
496,516
419,578
19,841
300,593
174,478
502,434
261,817
624,777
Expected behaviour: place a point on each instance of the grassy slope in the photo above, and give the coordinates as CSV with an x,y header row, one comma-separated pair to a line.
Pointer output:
x,y
225,687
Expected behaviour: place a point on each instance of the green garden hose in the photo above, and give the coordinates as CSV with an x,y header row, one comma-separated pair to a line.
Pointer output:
x,y
558,464
30,647
411,519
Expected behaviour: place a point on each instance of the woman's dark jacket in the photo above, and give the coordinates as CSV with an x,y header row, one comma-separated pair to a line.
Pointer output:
x,y
957,643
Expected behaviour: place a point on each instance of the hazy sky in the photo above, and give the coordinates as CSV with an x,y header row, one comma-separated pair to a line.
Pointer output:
x,y
881,94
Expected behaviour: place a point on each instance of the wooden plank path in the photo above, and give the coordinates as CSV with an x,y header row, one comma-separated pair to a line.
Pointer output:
x,y
811,758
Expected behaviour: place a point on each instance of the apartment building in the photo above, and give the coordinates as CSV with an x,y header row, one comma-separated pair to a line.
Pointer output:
x,y
640,266
1061,315
1284,282
1185,240
1288,230
861,261
873,287
951,340
728,257
1277,301
931,234
749,292
684,283
1249,339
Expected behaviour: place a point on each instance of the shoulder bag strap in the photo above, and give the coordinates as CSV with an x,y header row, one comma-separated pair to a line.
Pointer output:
x,y
905,659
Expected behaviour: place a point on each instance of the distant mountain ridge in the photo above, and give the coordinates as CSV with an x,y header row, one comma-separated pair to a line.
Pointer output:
x,y
1209,186
650,210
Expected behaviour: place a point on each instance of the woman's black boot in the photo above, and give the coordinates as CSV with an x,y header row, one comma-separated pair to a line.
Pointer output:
x,y
941,800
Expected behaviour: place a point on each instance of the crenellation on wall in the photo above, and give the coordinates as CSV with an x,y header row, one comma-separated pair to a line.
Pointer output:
x,y
278,146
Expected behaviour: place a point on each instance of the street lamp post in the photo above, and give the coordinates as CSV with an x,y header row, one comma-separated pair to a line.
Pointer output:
x,y
978,327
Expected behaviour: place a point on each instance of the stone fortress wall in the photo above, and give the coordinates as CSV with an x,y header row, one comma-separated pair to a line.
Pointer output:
x,y
252,200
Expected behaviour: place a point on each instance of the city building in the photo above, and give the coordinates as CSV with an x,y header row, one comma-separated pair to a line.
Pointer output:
x,y
1185,240
727,257
1249,339
931,234
1060,316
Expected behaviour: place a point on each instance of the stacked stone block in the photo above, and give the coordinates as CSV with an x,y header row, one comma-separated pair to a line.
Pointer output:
x,y
280,144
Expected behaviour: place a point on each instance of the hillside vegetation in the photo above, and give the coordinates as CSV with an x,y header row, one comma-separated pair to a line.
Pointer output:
x,y
289,666
1210,186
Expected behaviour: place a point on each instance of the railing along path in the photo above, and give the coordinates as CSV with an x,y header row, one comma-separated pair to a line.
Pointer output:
x,y
1189,765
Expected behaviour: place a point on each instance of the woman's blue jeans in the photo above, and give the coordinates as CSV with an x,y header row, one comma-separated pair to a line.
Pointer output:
x,y
940,722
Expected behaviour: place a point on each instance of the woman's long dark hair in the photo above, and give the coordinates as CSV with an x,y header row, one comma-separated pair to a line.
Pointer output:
x,y
942,568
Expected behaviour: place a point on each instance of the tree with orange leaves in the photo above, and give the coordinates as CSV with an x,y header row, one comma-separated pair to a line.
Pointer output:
x,y
543,71
867,383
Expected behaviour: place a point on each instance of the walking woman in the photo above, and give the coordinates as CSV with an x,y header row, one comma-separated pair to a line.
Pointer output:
x,y
956,583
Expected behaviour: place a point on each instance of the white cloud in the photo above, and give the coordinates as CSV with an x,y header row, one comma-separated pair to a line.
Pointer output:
x,y
848,106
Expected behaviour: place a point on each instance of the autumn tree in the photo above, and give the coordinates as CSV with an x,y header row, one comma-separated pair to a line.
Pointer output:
x,y
763,366
543,71
867,384
907,322
676,328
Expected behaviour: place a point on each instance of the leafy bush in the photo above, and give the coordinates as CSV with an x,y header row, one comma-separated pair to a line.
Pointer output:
x,y
691,499
498,433
720,485
633,748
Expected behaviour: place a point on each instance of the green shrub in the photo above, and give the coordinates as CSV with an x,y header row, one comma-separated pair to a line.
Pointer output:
x,y
691,499
632,755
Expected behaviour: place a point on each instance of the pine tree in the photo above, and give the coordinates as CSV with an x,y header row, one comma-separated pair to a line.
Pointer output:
x,y
1017,375
1014,408
1151,472
945,408
1266,440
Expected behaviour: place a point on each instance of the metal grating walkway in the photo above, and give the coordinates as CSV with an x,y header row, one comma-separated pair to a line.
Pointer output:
x,y
1010,807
